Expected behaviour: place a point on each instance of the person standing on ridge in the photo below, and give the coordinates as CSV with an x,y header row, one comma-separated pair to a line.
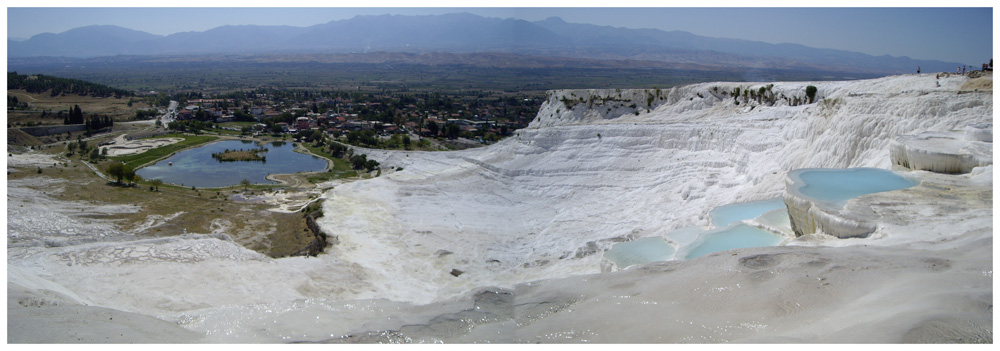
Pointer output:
x,y
918,69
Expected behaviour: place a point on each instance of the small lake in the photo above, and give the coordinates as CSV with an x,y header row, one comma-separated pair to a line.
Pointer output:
x,y
196,167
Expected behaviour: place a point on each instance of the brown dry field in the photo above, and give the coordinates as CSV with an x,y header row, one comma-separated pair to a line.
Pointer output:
x,y
116,108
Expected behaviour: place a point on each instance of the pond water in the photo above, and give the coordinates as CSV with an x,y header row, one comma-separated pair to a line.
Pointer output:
x,y
834,187
726,233
725,215
196,167
733,237
639,251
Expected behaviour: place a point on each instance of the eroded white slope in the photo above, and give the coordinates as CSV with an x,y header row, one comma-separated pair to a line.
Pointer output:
x,y
547,202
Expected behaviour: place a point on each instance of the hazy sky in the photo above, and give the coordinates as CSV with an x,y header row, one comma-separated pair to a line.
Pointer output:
x,y
953,34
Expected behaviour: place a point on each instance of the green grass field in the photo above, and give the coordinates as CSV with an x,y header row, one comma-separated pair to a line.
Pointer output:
x,y
341,168
237,124
160,152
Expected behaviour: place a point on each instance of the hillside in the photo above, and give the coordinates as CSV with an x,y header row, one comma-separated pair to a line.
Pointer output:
x,y
57,86
16,137
44,109
504,243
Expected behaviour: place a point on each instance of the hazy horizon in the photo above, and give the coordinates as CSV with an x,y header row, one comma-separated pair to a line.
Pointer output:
x,y
946,34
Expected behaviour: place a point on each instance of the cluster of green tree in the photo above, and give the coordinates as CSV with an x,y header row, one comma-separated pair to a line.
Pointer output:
x,y
92,152
368,138
399,141
243,116
14,104
362,161
96,123
143,114
364,137
311,136
40,83
453,131
191,126
122,171
73,116
160,99
338,150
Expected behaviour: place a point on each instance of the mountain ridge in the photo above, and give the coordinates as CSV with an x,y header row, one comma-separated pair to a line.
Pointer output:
x,y
465,33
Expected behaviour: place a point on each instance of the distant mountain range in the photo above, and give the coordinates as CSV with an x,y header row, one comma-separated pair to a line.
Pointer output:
x,y
465,33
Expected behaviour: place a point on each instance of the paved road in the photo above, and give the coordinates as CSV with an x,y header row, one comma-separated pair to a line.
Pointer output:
x,y
171,112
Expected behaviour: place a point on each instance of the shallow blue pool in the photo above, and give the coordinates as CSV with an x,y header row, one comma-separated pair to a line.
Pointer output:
x,y
734,237
639,251
725,215
836,186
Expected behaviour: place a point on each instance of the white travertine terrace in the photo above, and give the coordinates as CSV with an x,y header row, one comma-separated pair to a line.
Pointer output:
x,y
945,152
808,215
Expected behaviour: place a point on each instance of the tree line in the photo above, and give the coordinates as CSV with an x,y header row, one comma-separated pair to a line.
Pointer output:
x,y
39,83
94,123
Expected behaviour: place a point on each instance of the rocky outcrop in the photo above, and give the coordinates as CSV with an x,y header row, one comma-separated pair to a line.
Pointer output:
x,y
319,241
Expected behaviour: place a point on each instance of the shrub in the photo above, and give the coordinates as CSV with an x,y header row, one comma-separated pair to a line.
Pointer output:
x,y
358,161
811,93
117,170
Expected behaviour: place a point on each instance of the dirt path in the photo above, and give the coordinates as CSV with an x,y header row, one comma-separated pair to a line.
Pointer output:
x,y
21,96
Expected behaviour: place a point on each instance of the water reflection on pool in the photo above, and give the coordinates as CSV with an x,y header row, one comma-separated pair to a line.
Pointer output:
x,y
196,167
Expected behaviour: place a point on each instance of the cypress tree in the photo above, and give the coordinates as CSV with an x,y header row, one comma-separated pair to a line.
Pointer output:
x,y
77,116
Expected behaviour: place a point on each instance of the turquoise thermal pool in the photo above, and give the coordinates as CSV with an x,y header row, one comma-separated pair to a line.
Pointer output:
x,y
639,251
733,237
694,242
725,215
833,187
